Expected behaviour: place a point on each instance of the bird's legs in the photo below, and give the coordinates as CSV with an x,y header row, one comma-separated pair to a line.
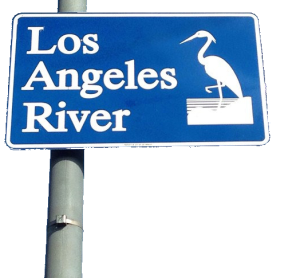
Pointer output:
x,y
219,86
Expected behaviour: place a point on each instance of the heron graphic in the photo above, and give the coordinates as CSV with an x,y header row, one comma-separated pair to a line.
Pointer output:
x,y
216,67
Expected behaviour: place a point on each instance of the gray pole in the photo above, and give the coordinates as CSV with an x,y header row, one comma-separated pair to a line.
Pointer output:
x,y
65,204
65,215
65,6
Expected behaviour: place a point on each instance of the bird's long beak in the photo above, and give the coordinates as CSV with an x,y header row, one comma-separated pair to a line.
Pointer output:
x,y
189,39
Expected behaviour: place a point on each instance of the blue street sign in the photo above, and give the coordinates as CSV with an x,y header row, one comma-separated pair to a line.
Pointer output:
x,y
101,80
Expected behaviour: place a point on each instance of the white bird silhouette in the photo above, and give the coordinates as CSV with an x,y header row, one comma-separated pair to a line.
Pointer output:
x,y
216,67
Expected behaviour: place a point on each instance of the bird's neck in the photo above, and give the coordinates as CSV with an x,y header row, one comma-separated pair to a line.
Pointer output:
x,y
202,51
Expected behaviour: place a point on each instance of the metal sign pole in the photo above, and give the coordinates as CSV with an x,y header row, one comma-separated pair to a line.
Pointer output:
x,y
65,204
65,6
65,215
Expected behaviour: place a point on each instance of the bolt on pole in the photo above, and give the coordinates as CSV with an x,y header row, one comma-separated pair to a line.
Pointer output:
x,y
65,202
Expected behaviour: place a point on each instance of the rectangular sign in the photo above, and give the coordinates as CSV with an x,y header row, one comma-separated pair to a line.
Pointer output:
x,y
104,80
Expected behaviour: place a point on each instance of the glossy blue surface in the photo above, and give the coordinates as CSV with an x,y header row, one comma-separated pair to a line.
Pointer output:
x,y
157,116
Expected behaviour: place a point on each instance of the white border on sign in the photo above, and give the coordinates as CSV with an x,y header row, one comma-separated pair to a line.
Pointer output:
x,y
109,145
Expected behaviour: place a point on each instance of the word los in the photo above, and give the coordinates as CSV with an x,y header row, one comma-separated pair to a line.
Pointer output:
x,y
113,79
88,43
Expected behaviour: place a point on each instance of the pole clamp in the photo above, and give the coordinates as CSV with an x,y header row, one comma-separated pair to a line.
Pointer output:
x,y
62,220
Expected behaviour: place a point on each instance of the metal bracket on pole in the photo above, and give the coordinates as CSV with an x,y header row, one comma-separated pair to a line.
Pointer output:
x,y
62,220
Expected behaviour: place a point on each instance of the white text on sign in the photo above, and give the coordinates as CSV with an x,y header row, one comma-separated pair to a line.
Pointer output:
x,y
89,85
